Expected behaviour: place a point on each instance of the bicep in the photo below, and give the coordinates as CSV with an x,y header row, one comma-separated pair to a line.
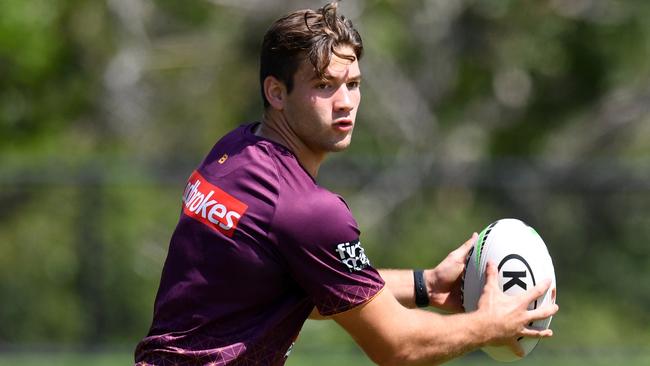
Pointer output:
x,y
376,326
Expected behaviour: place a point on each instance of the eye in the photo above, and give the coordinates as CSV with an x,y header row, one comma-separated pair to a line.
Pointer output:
x,y
322,86
354,84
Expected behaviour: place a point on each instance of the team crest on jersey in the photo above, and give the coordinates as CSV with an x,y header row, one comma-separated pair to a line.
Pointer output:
x,y
207,203
352,255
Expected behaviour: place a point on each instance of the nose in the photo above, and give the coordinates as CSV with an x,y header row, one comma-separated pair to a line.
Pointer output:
x,y
343,101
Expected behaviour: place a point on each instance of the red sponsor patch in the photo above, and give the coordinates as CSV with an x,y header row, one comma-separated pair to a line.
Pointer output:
x,y
207,203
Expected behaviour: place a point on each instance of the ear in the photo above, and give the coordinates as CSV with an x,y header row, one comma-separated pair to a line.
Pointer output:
x,y
275,92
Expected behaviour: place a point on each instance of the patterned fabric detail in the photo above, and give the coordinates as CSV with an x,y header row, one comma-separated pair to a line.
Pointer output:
x,y
348,298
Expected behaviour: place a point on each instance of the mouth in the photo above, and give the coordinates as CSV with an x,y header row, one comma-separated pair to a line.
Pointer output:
x,y
343,124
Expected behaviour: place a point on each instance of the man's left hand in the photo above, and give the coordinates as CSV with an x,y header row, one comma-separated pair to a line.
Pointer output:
x,y
443,281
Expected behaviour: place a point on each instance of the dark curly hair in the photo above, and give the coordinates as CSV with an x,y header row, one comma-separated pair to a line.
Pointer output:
x,y
306,35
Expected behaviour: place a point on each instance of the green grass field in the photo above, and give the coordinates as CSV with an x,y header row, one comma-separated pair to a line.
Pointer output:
x,y
565,358
601,357
323,343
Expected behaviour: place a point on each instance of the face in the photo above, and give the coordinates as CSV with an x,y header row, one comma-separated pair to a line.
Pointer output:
x,y
322,113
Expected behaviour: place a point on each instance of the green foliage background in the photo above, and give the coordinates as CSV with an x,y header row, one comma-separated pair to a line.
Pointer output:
x,y
472,111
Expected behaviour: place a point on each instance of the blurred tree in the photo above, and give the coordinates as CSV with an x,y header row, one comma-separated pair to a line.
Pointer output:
x,y
472,111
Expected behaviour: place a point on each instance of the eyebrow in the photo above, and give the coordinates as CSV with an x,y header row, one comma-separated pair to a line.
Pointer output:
x,y
328,76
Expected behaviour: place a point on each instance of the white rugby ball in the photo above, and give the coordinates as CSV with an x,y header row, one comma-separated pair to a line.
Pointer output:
x,y
523,261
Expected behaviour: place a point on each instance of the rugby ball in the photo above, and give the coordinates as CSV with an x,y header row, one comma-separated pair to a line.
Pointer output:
x,y
523,261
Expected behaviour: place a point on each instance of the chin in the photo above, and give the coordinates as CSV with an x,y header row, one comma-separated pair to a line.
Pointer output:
x,y
340,146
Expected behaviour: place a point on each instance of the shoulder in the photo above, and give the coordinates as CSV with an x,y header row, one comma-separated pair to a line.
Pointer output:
x,y
318,203
238,150
314,216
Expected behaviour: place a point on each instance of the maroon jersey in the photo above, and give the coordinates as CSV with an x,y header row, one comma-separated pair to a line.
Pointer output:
x,y
257,246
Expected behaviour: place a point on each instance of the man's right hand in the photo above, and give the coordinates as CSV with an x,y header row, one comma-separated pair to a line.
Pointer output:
x,y
391,334
506,318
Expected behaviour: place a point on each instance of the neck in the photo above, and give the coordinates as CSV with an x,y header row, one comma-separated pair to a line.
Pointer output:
x,y
274,127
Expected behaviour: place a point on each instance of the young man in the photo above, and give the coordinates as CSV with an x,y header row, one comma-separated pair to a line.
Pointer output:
x,y
260,246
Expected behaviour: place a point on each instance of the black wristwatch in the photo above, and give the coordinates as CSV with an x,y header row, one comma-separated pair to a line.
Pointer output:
x,y
421,294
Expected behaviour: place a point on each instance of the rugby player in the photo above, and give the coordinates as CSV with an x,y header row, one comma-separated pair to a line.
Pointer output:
x,y
260,247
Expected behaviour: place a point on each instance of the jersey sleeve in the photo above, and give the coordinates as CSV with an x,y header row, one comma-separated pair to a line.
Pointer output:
x,y
319,239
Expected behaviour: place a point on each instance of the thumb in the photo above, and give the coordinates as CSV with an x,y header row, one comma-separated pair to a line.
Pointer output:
x,y
515,347
466,246
472,240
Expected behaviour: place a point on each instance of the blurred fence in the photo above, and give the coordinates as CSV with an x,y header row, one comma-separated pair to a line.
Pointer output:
x,y
82,249
472,111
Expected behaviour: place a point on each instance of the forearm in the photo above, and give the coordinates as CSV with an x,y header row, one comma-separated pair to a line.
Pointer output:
x,y
400,283
394,335
432,339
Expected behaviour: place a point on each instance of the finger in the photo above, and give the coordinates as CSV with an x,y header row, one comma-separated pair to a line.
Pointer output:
x,y
536,333
491,275
464,248
537,291
543,312
553,294
515,347
472,239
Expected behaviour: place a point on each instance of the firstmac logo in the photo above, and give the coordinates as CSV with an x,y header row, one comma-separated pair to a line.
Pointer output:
x,y
352,255
212,206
